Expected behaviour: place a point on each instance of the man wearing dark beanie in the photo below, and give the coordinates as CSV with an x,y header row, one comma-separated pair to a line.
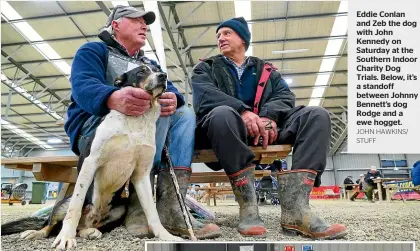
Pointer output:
x,y
231,116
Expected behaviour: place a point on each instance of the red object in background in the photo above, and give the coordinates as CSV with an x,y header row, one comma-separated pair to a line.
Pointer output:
x,y
319,192
289,248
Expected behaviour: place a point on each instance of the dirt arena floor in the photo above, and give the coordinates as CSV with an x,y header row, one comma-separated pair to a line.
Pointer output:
x,y
382,221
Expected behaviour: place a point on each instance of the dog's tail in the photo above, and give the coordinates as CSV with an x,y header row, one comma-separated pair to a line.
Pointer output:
x,y
20,225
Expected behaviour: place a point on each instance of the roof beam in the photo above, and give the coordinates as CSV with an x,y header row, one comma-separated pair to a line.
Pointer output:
x,y
20,67
284,74
76,13
171,67
192,47
277,19
174,45
181,32
40,134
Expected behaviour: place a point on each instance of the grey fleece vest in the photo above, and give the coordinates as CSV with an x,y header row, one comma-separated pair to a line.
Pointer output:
x,y
118,64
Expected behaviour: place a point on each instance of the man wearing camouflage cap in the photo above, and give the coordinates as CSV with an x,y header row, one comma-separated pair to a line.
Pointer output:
x,y
94,69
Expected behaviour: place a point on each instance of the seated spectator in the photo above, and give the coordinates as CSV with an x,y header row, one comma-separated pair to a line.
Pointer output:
x,y
362,185
348,181
371,175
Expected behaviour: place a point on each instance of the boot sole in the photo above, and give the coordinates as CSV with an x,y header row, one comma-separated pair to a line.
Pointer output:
x,y
183,233
255,236
295,232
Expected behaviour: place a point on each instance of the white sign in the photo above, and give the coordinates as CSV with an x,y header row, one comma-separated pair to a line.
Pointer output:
x,y
246,248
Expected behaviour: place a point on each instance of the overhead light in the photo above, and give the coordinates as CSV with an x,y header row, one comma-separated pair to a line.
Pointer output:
x,y
314,102
322,79
24,134
333,48
288,80
54,141
243,9
116,3
289,51
29,33
11,13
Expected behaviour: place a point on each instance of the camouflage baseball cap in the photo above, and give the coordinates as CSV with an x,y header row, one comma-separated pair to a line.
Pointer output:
x,y
129,11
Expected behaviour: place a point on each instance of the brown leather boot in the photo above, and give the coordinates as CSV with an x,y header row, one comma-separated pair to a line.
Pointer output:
x,y
135,221
169,209
250,223
296,215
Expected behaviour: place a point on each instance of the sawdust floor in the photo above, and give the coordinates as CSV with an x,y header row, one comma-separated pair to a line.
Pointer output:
x,y
382,221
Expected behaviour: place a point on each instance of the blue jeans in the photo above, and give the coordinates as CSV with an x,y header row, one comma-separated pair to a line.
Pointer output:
x,y
178,130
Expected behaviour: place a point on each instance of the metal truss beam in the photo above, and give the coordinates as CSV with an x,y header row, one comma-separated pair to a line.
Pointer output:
x,y
290,87
193,47
9,99
33,126
55,146
38,61
173,42
287,74
320,57
41,137
181,32
78,13
179,23
36,79
277,19
36,134
336,145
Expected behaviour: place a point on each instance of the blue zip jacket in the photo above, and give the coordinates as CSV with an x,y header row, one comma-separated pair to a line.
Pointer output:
x,y
89,89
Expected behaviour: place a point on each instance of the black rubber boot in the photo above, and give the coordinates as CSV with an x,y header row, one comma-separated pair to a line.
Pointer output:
x,y
250,223
135,220
354,196
169,208
296,215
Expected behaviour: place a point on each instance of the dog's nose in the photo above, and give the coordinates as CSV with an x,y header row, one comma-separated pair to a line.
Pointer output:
x,y
162,76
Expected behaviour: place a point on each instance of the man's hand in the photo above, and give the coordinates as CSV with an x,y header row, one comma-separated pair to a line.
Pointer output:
x,y
168,103
130,101
255,127
271,127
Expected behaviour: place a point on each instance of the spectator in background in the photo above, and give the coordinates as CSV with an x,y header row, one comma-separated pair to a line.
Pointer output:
x,y
415,173
362,185
361,182
371,175
348,181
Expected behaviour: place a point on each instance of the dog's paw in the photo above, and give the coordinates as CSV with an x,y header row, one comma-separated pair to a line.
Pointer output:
x,y
64,241
90,233
33,235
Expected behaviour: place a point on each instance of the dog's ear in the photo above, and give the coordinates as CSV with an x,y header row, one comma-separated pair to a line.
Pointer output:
x,y
120,80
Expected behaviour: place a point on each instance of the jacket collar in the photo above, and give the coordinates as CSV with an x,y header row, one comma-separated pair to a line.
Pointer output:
x,y
250,60
110,41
